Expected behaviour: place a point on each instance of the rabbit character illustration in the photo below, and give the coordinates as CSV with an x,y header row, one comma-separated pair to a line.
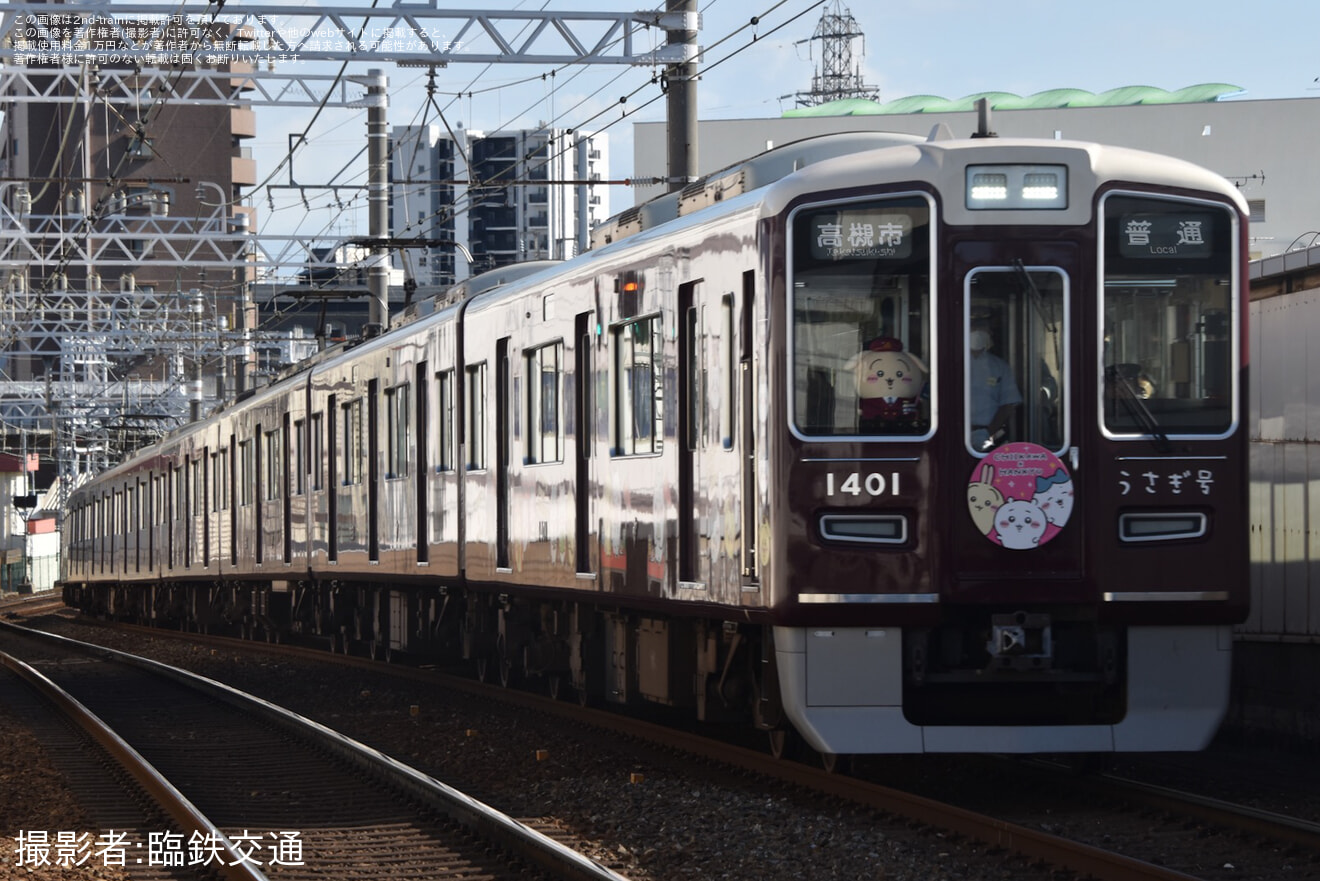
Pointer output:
x,y
983,500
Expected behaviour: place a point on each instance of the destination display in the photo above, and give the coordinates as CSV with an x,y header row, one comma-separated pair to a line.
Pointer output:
x,y
862,235
1181,234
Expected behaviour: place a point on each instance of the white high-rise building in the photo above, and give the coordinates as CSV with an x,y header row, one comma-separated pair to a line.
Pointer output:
x,y
475,201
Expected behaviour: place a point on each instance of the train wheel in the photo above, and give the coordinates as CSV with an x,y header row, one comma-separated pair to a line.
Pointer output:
x,y
833,762
779,741
553,685
482,669
504,661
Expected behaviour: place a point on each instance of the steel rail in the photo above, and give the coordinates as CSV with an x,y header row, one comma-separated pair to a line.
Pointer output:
x,y
233,867
537,848
1033,844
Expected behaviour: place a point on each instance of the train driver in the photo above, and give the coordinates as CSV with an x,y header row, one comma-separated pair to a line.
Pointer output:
x,y
994,392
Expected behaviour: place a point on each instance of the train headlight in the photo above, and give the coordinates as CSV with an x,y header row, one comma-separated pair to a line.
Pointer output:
x,y
1017,187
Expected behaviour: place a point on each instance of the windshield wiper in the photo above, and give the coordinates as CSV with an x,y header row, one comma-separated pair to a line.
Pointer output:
x,y
1137,408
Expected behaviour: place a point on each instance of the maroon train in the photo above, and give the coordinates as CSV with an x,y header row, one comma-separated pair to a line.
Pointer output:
x,y
906,445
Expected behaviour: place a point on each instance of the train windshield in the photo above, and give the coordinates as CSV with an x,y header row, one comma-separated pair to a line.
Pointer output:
x,y
861,328
1168,317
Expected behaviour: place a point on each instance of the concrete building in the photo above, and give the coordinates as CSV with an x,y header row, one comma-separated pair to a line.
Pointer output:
x,y
1262,146
474,201
29,543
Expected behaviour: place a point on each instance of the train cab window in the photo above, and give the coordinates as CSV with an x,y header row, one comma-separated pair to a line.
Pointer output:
x,y
1168,321
638,381
861,335
1015,376
545,432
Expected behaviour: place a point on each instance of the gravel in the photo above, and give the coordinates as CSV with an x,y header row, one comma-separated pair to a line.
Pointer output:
x,y
645,813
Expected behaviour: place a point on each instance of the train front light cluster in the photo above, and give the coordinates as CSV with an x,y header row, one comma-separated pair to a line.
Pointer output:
x,y
1032,187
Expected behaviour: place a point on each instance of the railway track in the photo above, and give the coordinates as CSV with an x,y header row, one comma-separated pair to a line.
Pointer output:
x,y
95,795
258,788
1170,815
30,605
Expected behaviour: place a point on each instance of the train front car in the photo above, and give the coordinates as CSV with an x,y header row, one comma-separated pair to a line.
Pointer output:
x,y
1008,487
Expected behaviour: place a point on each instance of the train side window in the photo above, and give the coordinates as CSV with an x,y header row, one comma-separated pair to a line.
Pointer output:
x,y
178,503
247,466
475,429
352,442
299,456
198,488
316,445
446,458
398,431
695,372
638,388
274,469
545,430
728,367
1168,317
222,485
861,335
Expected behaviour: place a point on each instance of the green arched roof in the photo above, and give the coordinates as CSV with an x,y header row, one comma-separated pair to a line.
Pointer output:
x,y
996,99
1053,98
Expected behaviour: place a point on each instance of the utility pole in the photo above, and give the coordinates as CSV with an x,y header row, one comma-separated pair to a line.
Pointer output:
x,y
378,199
681,93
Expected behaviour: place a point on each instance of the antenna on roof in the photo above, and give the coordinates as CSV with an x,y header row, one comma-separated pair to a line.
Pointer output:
x,y
983,129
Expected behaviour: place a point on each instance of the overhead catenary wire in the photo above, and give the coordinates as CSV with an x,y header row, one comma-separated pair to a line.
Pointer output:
x,y
626,107
752,22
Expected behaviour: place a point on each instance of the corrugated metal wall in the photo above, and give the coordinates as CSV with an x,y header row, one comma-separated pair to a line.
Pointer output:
x,y
1285,466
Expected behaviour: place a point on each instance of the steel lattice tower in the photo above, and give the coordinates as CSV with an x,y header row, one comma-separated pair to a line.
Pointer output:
x,y
839,76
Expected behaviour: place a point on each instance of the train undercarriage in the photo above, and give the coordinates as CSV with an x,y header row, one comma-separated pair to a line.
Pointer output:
x,y
962,687
715,671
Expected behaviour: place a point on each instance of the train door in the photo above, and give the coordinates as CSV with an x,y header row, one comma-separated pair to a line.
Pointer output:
x,y
373,470
746,436
582,405
286,488
690,411
1019,462
503,401
421,481
332,481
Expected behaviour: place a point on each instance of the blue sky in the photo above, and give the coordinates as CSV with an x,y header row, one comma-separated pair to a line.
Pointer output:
x,y
949,48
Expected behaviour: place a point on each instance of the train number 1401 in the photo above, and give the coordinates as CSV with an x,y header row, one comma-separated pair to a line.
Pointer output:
x,y
856,483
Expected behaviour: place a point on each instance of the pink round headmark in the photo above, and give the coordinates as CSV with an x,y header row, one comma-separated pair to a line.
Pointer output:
x,y
1020,496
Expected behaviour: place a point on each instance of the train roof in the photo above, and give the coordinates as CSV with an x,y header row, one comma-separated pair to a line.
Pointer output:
x,y
741,177
941,160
